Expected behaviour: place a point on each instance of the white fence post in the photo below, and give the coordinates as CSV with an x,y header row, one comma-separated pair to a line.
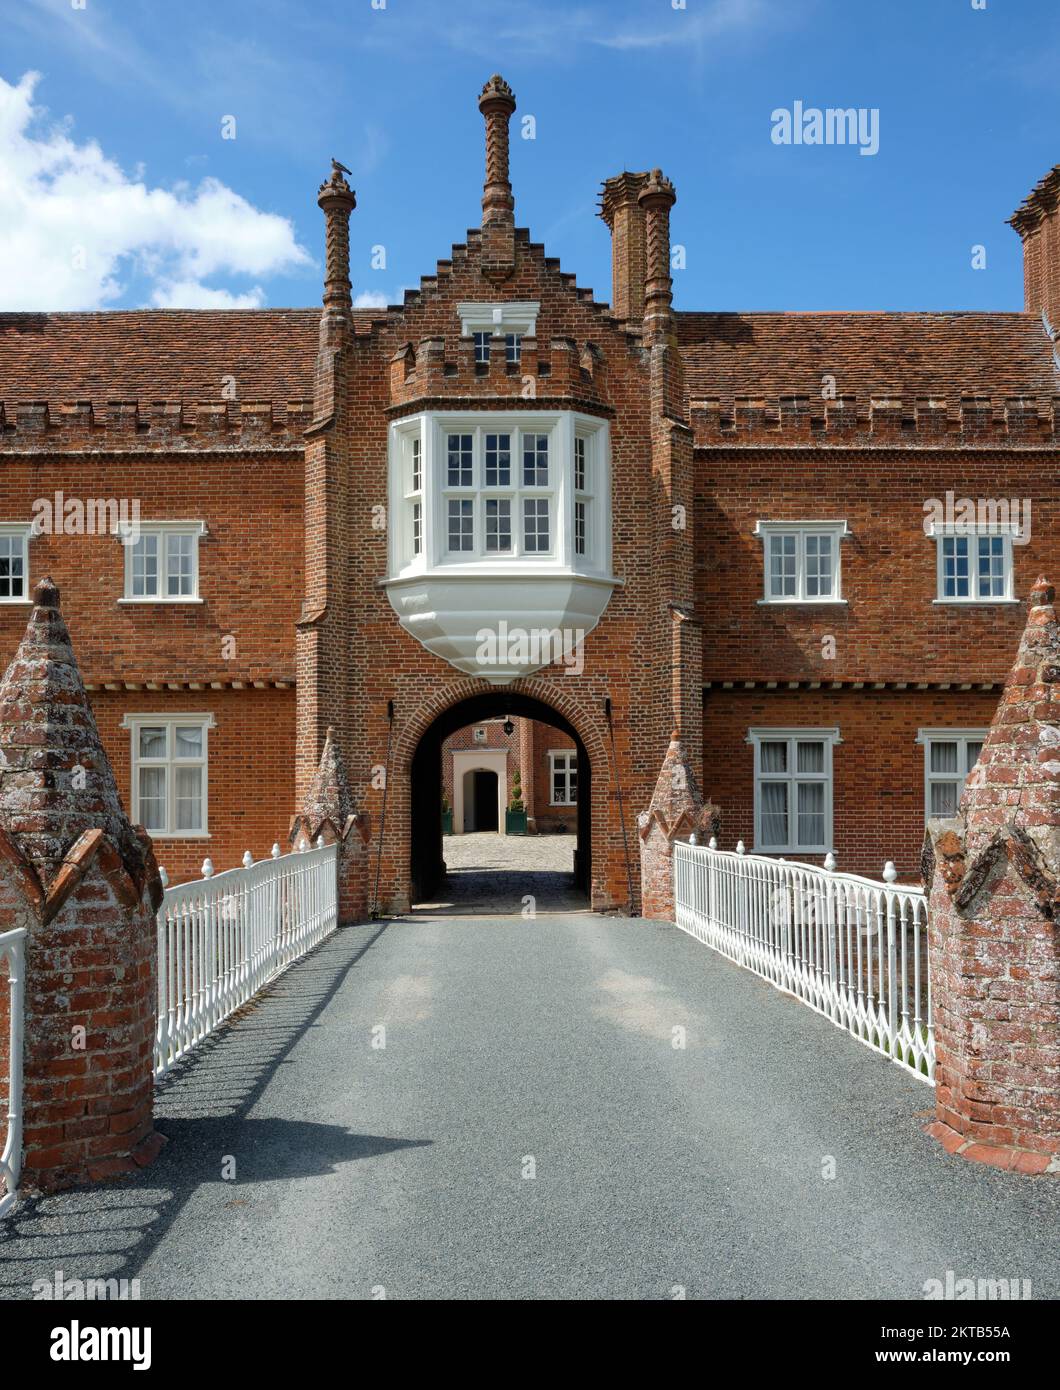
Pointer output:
x,y
13,949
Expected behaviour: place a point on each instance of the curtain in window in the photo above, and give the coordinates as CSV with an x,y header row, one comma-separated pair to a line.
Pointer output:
x,y
774,813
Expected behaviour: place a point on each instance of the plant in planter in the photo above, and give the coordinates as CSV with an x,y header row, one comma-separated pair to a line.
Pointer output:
x,y
515,816
447,816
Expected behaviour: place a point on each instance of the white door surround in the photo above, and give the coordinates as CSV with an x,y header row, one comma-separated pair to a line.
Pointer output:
x,y
479,760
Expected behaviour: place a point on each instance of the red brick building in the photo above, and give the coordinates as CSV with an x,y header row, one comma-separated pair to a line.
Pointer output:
x,y
504,498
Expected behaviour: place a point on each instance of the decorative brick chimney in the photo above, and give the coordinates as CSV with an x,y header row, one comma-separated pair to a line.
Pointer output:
x,y
85,885
994,872
336,200
656,198
676,810
497,103
1038,223
328,811
620,208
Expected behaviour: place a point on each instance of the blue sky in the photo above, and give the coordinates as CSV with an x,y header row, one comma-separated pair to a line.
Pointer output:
x,y
118,190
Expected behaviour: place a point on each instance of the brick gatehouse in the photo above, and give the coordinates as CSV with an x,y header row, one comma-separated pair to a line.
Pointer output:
x,y
362,519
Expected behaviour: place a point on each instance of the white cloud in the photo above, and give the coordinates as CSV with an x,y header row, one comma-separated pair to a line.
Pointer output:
x,y
370,299
75,227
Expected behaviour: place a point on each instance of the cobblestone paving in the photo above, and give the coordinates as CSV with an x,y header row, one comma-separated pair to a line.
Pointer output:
x,y
491,874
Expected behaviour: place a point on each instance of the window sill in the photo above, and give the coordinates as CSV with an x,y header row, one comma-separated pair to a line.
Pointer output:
x,y
974,602
16,603
157,601
803,602
182,835
783,853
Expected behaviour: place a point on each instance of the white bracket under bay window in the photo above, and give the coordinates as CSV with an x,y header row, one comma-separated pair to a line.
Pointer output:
x,y
974,566
500,520
512,322
949,756
169,765
14,561
162,562
793,790
802,561
563,777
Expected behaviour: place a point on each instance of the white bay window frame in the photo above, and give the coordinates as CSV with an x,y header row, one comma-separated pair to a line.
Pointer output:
x,y
792,776
561,428
801,532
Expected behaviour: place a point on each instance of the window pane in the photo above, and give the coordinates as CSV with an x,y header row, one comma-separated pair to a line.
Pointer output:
x,y
12,567
152,743
188,788
498,460
482,346
811,814
991,566
513,347
579,464
417,465
188,742
459,460
972,754
179,565
498,524
819,567
944,798
153,798
955,567
579,528
774,805
417,528
943,756
809,757
535,525
145,567
461,525
773,756
781,566
535,460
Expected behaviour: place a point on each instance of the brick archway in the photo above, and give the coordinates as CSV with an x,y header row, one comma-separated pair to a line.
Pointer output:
x,y
603,874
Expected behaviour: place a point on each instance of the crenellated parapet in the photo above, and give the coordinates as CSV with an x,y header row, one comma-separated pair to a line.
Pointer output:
x,y
885,420
437,368
30,426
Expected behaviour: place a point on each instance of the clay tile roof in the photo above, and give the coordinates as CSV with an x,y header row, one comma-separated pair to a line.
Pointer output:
x,y
870,354
161,354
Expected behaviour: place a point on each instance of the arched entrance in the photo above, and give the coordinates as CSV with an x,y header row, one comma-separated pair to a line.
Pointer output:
x,y
427,863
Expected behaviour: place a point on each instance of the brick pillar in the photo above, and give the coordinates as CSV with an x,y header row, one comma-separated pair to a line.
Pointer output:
x,y
85,884
336,199
497,103
656,198
677,810
994,871
328,812
625,218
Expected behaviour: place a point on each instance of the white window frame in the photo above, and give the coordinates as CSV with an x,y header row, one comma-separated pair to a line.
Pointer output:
x,y
24,531
163,529
962,737
432,429
134,723
567,754
973,535
829,737
837,530
518,320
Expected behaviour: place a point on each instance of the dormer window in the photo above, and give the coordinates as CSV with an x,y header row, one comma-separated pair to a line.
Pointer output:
x,y
512,322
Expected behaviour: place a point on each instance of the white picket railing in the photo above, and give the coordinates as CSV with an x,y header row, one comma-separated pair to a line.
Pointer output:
x,y
13,950
852,948
224,937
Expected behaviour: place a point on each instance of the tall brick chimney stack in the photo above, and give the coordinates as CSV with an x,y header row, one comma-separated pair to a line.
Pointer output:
x,y
497,103
337,200
994,873
657,197
1038,223
85,885
621,210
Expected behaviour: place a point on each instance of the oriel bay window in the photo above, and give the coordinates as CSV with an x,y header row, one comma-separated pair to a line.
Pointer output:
x,y
793,790
506,490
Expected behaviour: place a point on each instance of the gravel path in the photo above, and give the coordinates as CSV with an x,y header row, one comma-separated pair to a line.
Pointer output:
x,y
530,1130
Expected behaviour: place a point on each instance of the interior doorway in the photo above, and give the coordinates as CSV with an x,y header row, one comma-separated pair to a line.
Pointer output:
x,y
480,800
